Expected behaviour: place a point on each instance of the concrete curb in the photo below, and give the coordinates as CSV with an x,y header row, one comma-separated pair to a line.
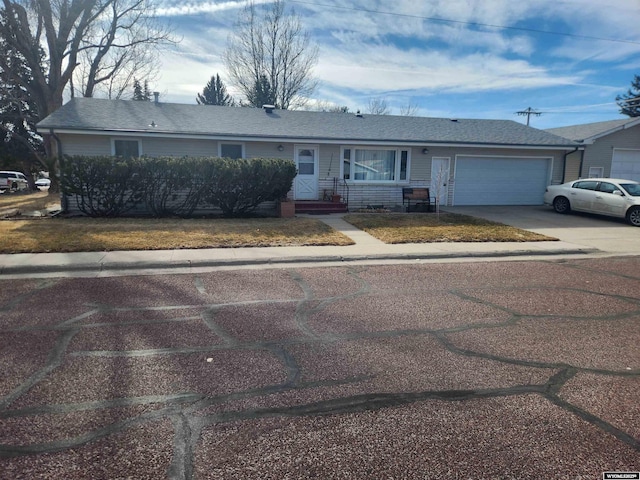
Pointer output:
x,y
155,265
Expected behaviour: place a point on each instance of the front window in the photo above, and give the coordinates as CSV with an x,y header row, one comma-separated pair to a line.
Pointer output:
x,y
375,164
231,150
632,189
126,148
607,187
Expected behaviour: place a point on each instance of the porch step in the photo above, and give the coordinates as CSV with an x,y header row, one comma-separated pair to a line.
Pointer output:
x,y
319,207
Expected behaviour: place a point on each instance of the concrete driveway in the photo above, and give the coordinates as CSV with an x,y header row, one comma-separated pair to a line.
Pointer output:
x,y
611,235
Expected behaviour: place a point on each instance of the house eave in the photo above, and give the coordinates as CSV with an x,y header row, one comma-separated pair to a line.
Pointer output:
x,y
315,140
593,138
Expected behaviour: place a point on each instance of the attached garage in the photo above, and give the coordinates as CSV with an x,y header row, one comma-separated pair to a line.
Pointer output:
x,y
500,180
626,164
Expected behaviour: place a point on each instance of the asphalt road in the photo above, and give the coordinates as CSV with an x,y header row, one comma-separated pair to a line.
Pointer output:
x,y
524,370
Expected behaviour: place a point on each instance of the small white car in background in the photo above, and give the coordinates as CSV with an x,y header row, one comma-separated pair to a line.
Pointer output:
x,y
605,196
43,182
13,181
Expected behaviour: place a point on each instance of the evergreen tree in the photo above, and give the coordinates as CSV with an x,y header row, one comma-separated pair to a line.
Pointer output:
x,y
147,91
215,93
141,92
137,90
629,103
262,94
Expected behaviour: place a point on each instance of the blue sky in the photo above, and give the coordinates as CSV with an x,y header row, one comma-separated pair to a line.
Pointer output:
x,y
449,58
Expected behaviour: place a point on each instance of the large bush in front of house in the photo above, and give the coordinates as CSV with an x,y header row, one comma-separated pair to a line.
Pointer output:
x,y
238,186
168,186
175,186
103,186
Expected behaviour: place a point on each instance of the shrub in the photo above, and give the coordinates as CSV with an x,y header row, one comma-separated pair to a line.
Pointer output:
x,y
104,186
175,186
238,186
108,186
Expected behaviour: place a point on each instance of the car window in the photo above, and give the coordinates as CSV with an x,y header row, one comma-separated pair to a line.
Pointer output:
x,y
586,185
607,187
632,189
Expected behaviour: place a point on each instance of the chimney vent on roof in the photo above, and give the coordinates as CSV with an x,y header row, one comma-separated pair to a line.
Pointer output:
x,y
455,120
359,114
269,108
156,96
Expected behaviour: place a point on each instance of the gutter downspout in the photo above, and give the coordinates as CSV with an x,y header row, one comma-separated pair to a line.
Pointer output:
x,y
564,170
581,163
64,201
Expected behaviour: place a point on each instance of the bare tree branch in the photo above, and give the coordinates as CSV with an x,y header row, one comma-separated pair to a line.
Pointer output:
x,y
378,106
274,46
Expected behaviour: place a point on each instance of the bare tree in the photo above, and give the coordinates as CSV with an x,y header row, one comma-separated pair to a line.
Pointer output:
x,y
121,43
409,110
275,46
100,34
378,106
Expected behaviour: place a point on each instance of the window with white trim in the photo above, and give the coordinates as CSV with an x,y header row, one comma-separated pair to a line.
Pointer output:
x,y
126,148
375,164
232,150
596,172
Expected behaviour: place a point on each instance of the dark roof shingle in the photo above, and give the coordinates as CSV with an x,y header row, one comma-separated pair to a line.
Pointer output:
x,y
89,114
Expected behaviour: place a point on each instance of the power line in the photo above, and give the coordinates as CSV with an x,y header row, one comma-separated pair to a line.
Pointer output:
x,y
473,24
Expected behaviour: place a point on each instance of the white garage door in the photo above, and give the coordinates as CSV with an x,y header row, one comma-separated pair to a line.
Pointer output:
x,y
500,181
626,164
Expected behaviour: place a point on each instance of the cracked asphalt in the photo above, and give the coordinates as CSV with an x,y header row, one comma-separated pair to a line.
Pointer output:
x,y
519,369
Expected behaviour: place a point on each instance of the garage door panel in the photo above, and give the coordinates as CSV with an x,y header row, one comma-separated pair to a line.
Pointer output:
x,y
500,181
626,164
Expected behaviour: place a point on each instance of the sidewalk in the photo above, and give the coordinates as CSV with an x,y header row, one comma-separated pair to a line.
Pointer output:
x,y
366,248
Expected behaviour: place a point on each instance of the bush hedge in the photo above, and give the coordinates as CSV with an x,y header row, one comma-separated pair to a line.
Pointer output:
x,y
169,186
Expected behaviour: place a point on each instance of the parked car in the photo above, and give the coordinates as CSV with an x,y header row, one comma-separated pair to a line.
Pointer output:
x,y
43,182
13,181
605,196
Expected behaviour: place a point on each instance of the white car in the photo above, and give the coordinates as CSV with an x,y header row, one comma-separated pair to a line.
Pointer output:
x,y
43,182
606,196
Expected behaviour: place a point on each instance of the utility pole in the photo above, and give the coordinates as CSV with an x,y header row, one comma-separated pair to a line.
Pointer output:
x,y
528,112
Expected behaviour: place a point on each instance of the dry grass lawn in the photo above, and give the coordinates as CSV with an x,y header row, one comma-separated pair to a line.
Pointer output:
x,y
28,201
97,234
449,227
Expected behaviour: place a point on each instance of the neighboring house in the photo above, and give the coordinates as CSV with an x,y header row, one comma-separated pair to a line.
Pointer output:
x,y
611,149
464,161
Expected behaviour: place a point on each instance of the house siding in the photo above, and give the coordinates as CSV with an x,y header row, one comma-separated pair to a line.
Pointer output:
x,y
572,166
358,195
600,153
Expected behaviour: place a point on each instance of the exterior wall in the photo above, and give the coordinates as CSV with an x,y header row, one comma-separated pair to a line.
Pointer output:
x,y
600,153
154,147
358,195
572,167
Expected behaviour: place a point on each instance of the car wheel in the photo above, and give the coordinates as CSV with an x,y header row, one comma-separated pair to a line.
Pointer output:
x,y
561,205
14,187
633,216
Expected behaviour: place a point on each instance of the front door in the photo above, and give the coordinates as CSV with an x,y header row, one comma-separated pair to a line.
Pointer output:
x,y
440,179
305,185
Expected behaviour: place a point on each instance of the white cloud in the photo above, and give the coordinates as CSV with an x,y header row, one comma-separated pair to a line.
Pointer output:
x,y
169,9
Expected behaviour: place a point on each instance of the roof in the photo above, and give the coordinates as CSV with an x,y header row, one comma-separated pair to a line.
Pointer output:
x,y
589,132
101,115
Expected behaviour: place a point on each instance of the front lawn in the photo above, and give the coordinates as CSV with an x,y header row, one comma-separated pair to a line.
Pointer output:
x,y
105,234
447,227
